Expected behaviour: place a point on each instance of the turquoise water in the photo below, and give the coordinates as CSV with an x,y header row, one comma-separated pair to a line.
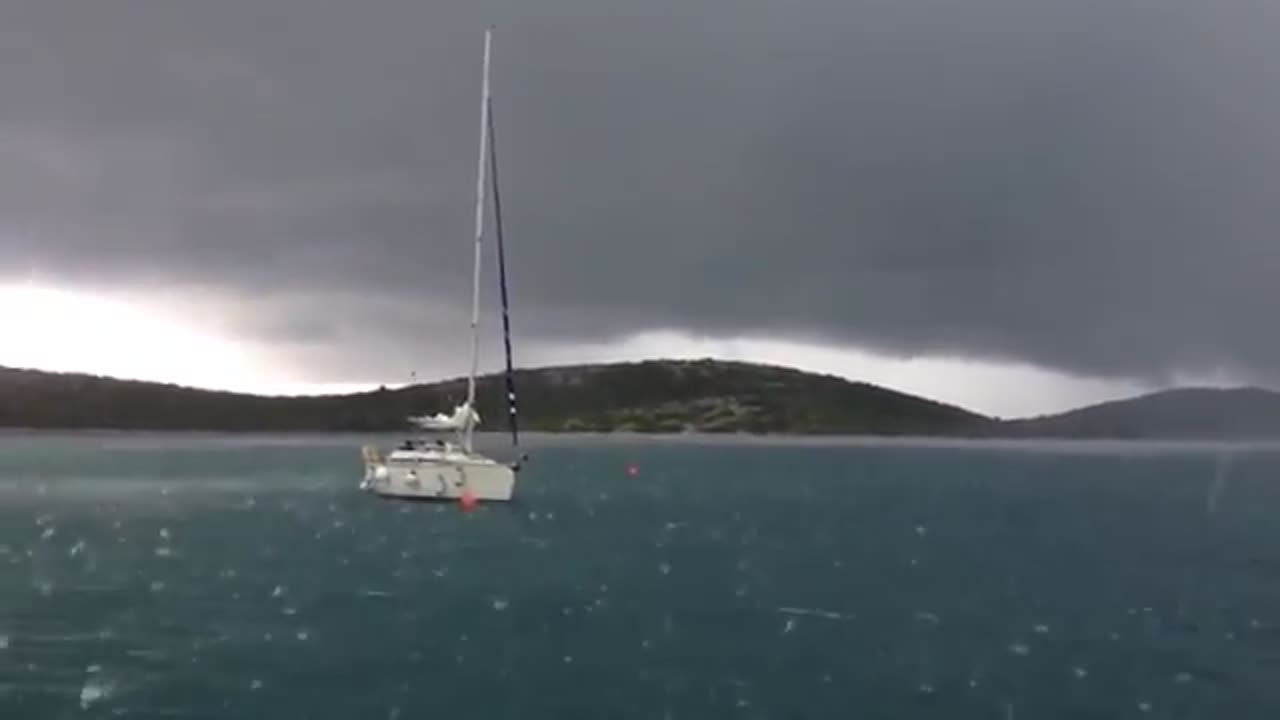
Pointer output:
x,y
222,577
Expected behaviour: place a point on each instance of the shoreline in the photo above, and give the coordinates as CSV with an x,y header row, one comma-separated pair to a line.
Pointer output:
x,y
744,440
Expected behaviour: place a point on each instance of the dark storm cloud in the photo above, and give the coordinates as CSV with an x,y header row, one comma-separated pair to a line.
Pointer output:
x,y
1085,185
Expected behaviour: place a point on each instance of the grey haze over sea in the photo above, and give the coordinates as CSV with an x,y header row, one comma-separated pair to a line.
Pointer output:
x,y
150,576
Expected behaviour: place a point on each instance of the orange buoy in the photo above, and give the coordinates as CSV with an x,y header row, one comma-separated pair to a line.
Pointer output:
x,y
632,470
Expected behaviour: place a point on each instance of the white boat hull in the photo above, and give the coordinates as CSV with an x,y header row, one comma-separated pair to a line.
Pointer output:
x,y
431,475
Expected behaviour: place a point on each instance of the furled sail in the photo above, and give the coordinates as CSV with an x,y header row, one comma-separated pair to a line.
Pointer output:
x,y
440,421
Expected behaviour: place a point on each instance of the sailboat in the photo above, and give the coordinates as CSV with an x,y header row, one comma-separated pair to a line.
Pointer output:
x,y
448,467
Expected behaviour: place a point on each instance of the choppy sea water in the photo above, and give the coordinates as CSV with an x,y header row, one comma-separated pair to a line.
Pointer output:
x,y
149,576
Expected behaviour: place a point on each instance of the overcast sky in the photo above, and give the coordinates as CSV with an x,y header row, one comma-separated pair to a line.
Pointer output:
x,y
1020,205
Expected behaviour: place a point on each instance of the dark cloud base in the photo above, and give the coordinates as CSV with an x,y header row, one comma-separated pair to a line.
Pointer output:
x,y
1085,186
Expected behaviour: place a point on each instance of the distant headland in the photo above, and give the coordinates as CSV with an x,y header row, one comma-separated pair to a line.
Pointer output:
x,y
652,396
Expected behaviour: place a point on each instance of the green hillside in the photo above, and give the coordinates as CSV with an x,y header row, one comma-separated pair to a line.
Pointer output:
x,y
1179,414
650,396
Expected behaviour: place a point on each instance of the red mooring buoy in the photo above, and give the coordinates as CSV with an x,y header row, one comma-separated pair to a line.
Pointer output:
x,y
468,501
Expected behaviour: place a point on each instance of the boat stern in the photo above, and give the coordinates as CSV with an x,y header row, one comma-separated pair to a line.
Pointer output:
x,y
375,468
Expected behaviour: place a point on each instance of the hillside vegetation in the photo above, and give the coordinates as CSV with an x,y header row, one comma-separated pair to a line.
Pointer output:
x,y
1184,413
655,396
650,396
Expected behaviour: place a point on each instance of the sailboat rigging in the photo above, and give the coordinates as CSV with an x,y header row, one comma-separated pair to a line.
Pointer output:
x,y
502,280
449,469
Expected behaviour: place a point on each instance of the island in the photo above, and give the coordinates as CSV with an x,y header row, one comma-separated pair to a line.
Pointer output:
x,y
651,396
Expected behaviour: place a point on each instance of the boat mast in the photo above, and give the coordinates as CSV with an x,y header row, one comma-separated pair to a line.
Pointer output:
x,y
475,277
502,279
